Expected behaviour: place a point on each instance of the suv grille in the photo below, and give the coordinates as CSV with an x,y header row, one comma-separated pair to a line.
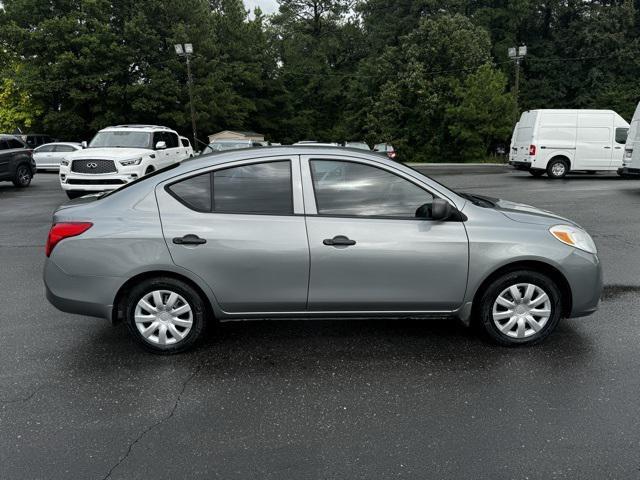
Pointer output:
x,y
93,166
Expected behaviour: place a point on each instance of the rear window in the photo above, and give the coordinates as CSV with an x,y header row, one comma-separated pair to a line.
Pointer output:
x,y
524,134
621,134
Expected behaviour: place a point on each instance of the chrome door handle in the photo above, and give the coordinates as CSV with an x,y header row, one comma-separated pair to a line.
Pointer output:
x,y
190,239
339,241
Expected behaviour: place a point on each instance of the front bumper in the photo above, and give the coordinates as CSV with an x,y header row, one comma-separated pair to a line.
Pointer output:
x,y
583,272
95,183
628,171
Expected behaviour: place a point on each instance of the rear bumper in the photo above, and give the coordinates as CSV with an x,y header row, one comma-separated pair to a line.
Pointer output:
x,y
628,171
87,295
520,165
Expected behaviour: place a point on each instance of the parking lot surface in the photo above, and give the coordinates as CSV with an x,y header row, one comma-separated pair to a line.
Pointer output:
x,y
326,399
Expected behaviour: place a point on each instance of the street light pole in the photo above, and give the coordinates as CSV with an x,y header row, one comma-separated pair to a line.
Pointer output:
x,y
186,52
517,54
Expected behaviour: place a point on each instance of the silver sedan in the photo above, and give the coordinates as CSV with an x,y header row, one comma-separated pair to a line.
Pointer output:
x,y
313,232
49,155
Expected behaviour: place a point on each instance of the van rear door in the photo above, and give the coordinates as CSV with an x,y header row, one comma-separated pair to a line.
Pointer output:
x,y
523,136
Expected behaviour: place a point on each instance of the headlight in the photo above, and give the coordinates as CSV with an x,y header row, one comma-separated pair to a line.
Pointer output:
x,y
134,161
64,163
574,237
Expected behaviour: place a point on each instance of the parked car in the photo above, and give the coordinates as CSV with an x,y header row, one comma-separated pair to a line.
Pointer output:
x,y
557,142
358,145
186,145
224,145
119,155
307,232
49,155
387,149
513,151
16,161
631,159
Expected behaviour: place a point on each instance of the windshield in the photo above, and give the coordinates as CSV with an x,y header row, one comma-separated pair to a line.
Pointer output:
x,y
121,139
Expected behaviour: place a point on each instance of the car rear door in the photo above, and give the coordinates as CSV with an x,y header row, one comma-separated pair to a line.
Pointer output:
x,y
5,157
594,141
240,227
368,250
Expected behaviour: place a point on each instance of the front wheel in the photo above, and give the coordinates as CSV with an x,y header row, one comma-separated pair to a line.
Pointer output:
x,y
165,315
71,194
23,176
520,308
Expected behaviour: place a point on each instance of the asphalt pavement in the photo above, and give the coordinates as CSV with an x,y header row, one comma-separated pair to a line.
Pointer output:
x,y
343,399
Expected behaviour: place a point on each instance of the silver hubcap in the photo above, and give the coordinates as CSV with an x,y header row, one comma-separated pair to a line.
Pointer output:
x,y
23,175
558,169
521,310
163,317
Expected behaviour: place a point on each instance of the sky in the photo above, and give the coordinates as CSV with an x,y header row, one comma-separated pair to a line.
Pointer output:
x,y
267,6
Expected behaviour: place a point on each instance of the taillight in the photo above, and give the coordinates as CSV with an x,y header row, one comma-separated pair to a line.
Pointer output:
x,y
392,154
532,150
60,231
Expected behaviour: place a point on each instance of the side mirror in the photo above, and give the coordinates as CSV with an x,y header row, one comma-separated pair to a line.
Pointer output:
x,y
84,144
439,209
161,145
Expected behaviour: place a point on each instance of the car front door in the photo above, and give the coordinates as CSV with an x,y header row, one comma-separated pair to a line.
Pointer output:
x,y
5,157
369,252
163,155
240,228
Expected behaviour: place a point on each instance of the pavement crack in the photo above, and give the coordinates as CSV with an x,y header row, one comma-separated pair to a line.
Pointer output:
x,y
25,398
144,432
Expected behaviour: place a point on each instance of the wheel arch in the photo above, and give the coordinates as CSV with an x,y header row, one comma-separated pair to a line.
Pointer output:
x,y
561,156
533,265
117,312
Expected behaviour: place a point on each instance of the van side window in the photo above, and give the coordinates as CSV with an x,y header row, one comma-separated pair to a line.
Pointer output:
x,y
621,135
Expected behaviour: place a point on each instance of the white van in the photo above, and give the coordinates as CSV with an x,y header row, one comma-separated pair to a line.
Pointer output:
x,y
631,160
558,141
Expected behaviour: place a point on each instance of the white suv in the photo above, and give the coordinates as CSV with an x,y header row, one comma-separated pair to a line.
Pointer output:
x,y
118,155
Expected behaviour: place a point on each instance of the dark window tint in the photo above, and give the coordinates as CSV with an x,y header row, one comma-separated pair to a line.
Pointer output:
x,y
195,192
171,139
64,148
158,137
621,135
185,142
348,188
256,188
4,145
13,143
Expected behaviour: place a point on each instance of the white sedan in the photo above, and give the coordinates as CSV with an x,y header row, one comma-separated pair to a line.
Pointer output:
x,y
49,155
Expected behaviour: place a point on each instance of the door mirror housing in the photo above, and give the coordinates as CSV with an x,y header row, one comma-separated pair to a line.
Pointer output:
x,y
439,209
161,145
84,144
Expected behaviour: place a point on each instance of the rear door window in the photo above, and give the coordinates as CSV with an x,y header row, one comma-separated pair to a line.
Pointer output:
x,y
621,135
258,188
64,148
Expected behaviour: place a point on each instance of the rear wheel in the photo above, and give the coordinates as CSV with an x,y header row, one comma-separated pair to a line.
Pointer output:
x,y
165,315
520,308
557,168
536,173
23,176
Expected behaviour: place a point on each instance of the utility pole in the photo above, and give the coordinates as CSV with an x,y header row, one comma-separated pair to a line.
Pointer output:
x,y
186,52
517,54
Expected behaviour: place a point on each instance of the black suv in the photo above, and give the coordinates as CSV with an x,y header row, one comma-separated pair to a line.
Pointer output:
x,y
16,161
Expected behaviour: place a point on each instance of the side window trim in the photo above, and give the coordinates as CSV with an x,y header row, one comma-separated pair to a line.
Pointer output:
x,y
295,176
311,202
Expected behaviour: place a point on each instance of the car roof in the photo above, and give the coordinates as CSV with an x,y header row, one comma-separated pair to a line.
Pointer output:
x,y
137,127
7,135
72,144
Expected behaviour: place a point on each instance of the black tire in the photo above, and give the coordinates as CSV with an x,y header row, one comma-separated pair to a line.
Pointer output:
x,y
22,177
500,285
557,168
75,193
190,296
149,170
537,173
